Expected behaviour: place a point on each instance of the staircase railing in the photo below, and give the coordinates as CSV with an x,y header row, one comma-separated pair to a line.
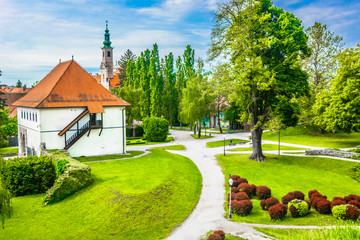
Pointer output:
x,y
77,135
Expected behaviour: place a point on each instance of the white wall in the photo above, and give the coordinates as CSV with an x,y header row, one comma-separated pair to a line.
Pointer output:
x,y
29,123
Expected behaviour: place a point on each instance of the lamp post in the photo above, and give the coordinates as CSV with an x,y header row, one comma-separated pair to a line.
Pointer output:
x,y
224,144
230,185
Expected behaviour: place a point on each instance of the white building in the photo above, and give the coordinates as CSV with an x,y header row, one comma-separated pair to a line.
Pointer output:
x,y
69,110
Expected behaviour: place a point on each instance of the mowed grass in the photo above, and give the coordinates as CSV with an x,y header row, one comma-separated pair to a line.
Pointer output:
x,y
133,142
269,147
299,135
109,157
220,143
336,233
9,150
140,198
201,136
175,147
291,173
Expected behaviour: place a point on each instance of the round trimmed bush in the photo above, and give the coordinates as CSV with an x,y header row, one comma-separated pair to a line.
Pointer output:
x,y
312,192
337,202
235,179
298,195
234,190
308,203
354,203
298,208
338,198
253,190
232,196
220,233
263,192
278,211
315,200
242,208
262,204
352,212
245,187
271,202
352,197
287,198
339,211
214,237
156,129
241,196
243,180
324,206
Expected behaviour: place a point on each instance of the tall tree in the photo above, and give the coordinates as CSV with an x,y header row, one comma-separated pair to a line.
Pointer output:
x,y
18,83
264,44
170,97
338,108
122,63
156,83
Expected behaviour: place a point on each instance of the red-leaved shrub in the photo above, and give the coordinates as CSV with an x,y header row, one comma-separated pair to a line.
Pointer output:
x,y
352,197
278,211
235,179
324,206
354,203
309,204
270,202
352,212
241,196
312,192
262,204
314,201
232,196
338,198
242,208
263,192
234,190
220,233
298,195
287,198
294,212
214,237
245,187
242,180
337,202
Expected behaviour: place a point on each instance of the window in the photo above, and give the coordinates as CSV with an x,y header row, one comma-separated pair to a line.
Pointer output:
x,y
109,54
27,115
103,54
35,117
21,114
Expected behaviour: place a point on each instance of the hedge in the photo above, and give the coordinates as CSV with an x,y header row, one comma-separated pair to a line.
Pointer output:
x,y
28,175
156,129
76,176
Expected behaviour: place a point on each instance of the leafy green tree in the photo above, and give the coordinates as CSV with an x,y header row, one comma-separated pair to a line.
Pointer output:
x,y
18,83
338,108
170,96
156,83
122,63
197,97
264,44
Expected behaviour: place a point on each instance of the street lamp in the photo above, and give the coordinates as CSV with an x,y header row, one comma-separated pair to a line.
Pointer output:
x,y
230,185
224,144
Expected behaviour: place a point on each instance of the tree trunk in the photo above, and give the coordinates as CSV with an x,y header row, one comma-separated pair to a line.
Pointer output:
x,y
321,130
199,130
218,115
194,128
170,116
191,127
257,154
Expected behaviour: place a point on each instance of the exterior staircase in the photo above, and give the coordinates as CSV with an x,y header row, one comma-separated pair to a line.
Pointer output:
x,y
77,135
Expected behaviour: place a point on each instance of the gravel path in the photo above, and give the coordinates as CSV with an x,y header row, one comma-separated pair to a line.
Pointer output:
x,y
209,212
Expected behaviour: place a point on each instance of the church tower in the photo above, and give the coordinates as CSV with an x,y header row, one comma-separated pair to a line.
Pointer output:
x,y
106,66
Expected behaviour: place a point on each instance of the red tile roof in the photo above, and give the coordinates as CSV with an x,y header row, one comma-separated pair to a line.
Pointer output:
x,y
69,85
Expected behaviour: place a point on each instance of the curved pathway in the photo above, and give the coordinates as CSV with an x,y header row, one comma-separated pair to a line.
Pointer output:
x,y
209,212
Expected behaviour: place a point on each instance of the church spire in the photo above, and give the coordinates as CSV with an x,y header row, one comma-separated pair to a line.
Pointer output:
x,y
107,42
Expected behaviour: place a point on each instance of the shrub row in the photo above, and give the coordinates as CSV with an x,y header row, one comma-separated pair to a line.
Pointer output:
x,y
75,177
27,176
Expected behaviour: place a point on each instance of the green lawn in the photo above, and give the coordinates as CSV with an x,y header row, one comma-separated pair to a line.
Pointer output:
x,y
290,173
220,143
140,198
175,147
269,147
143,142
9,150
337,233
201,137
312,138
108,157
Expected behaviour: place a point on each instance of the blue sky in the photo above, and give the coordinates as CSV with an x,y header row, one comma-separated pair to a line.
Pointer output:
x,y
35,34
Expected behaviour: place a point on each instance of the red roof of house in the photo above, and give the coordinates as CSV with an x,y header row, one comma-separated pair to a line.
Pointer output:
x,y
69,85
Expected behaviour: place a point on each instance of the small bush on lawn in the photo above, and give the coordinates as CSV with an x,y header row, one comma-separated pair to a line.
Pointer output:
x,y
312,192
298,208
27,176
263,192
234,190
337,202
245,187
242,208
338,198
214,237
76,176
278,211
61,166
220,233
241,196
309,204
287,198
351,197
270,202
156,129
324,206
346,212
253,190
354,203
262,204
298,195
235,179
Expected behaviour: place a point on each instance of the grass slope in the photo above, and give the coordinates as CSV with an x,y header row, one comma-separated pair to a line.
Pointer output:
x,y
175,147
311,137
269,147
9,150
141,198
290,173
108,157
220,143
201,136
